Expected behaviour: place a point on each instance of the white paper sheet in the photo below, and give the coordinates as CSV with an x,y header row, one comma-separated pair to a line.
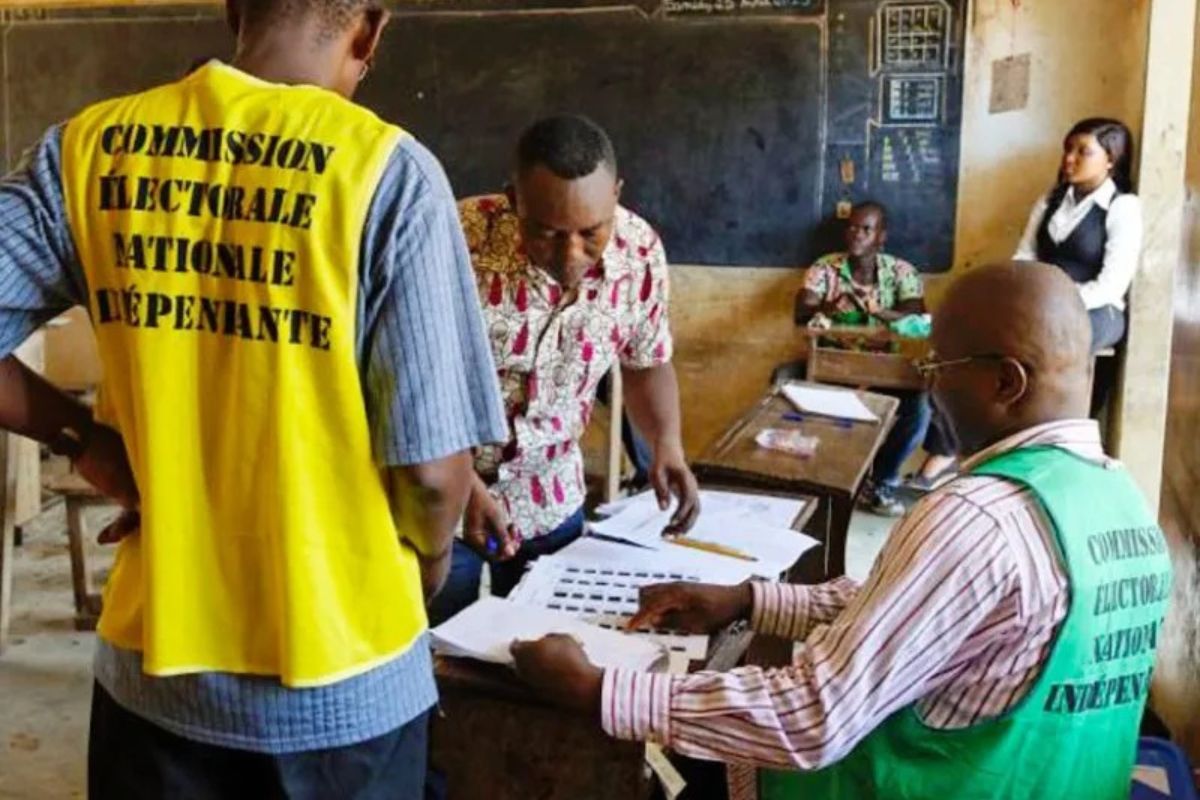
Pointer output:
x,y
486,629
774,548
780,511
603,596
837,403
707,567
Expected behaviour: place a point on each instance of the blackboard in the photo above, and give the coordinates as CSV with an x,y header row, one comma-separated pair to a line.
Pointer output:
x,y
741,125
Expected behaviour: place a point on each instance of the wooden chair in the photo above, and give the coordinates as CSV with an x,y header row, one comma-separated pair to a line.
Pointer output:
x,y
8,527
79,496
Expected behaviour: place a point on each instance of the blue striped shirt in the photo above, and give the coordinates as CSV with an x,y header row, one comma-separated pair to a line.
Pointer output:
x,y
428,384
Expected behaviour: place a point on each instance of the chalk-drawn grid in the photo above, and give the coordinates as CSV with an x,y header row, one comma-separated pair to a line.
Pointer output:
x,y
912,99
914,35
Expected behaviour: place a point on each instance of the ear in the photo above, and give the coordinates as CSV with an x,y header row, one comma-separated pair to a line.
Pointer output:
x,y
1012,383
882,236
617,189
370,30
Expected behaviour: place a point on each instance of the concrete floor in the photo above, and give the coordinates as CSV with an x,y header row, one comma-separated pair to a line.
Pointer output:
x,y
45,674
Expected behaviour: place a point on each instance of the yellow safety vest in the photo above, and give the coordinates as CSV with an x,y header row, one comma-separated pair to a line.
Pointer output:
x,y
219,223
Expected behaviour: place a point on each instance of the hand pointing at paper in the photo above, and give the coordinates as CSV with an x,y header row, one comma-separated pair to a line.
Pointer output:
x,y
691,607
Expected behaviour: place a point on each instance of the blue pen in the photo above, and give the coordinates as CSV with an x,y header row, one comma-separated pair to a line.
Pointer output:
x,y
791,416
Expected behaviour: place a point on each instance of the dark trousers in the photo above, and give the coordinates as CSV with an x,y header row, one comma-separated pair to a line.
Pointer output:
x,y
1108,329
466,569
130,758
912,422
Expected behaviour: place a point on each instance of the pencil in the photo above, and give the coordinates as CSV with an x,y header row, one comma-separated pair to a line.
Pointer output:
x,y
719,549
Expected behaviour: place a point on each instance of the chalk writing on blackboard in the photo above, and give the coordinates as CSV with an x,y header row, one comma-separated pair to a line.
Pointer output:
x,y
742,6
910,99
914,35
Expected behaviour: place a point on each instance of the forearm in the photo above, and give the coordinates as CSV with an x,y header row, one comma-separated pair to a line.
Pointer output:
x,y
790,611
428,500
652,400
33,407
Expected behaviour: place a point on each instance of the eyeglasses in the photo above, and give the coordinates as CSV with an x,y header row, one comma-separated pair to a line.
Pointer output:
x,y
931,365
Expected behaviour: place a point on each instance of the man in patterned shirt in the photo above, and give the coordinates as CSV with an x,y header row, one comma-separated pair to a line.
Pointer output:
x,y
856,287
571,284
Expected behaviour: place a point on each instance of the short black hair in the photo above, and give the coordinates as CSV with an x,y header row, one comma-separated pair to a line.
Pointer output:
x,y
569,145
873,205
335,15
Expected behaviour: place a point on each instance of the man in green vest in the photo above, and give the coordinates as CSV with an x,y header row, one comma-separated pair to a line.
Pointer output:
x,y
1002,644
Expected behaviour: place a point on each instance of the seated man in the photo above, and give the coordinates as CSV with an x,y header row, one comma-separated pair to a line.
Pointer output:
x,y
857,287
571,283
1003,643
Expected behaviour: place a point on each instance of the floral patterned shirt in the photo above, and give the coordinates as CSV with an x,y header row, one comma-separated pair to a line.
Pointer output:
x,y
831,277
550,356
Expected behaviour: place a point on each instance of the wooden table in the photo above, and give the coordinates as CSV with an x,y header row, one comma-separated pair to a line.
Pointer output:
x,y
864,368
496,739
835,473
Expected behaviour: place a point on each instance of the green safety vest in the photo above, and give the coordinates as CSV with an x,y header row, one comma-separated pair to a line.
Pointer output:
x,y
1075,734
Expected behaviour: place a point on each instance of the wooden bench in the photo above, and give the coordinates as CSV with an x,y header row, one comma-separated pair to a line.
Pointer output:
x,y
79,496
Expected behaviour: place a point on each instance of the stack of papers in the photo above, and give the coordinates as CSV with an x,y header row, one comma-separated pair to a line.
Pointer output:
x,y
590,588
485,631
835,403
753,525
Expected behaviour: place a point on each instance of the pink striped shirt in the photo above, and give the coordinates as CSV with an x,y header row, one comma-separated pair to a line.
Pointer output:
x,y
957,616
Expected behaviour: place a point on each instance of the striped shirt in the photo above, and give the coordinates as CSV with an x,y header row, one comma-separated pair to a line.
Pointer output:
x,y
957,617
428,386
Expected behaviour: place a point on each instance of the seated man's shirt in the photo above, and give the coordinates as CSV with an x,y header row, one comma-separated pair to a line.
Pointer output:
x,y
551,353
831,277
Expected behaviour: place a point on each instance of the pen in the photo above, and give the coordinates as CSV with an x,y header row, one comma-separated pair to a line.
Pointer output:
x,y
709,547
792,416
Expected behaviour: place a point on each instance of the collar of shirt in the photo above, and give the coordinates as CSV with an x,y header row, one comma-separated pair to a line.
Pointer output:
x,y
1079,436
1103,197
544,280
883,263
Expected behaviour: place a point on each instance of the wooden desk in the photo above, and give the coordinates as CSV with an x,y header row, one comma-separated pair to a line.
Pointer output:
x,y
835,474
496,739
859,368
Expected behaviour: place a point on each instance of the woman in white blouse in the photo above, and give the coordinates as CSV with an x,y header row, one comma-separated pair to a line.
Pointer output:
x,y
1090,224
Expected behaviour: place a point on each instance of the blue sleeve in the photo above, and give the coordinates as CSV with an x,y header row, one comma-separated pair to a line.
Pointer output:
x,y
40,275
429,377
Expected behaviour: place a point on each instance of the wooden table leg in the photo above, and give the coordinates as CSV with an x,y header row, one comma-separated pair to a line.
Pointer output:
x,y
841,509
87,606
8,510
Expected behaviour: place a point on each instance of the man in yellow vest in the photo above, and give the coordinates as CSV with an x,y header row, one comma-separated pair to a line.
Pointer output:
x,y
295,373
1003,643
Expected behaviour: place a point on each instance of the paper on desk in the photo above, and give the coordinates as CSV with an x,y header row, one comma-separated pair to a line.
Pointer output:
x,y
606,596
661,564
781,511
776,548
837,403
485,631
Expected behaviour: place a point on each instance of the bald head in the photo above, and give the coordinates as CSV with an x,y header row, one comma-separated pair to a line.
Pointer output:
x,y
1027,332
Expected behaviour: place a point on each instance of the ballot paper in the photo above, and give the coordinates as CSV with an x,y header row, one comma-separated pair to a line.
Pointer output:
x,y
606,596
661,565
774,548
765,509
836,403
486,629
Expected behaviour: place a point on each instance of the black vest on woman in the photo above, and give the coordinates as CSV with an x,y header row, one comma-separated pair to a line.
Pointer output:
x,y
1080,255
